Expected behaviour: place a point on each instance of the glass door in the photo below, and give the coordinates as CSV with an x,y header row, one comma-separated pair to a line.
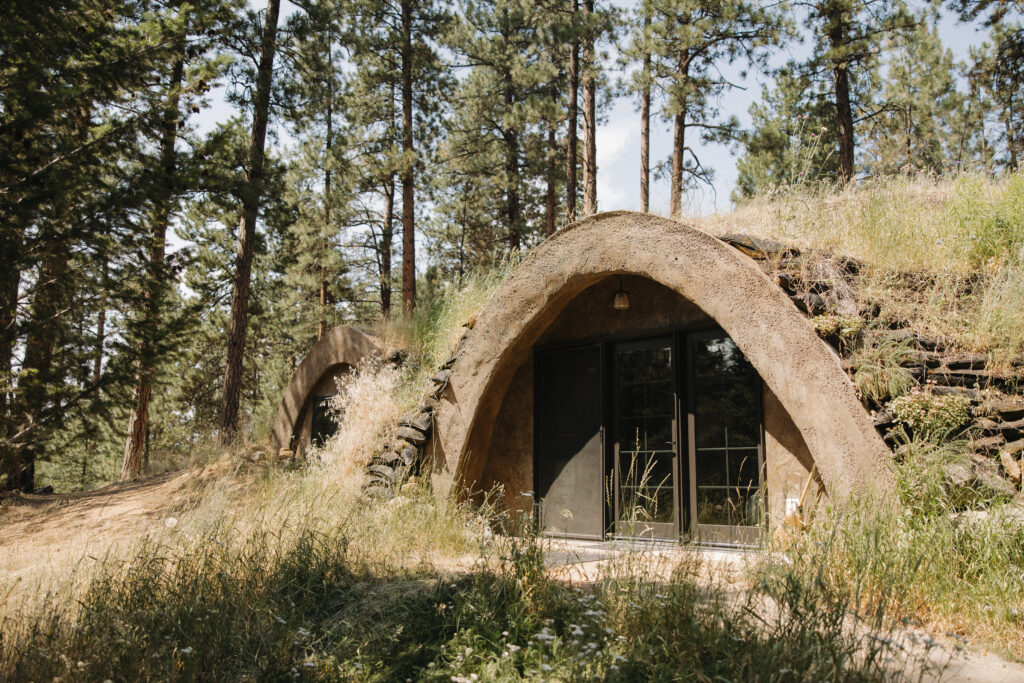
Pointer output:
x,y
724,433
643,489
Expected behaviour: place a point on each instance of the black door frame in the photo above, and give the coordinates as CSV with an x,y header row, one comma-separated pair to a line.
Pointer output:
x,y
685,460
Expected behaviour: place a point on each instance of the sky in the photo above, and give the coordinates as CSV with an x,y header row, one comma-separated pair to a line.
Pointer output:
x,y
618,135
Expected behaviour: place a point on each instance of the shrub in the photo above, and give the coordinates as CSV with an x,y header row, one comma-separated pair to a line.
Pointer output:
x,y
931,416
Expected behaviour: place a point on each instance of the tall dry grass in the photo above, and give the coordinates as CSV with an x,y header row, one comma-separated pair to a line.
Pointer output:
x,y
942,255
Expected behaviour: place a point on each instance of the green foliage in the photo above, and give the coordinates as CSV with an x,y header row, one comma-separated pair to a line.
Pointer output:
x,y
879,372
929,415
843,330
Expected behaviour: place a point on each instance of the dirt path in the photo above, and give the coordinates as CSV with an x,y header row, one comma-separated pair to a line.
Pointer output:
x,y
47,539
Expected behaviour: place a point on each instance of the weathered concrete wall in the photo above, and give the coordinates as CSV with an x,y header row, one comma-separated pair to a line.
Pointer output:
x,y
509,460
788,461
341,346
799,369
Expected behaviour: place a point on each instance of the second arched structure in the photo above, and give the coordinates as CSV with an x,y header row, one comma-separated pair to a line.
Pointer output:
x,y
338,352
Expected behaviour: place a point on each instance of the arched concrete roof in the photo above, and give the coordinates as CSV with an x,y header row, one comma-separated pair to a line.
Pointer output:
x,y
799,368
342,345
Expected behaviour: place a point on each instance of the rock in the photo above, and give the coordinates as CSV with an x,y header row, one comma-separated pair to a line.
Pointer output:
x,y
989,444
758,247
883,418
811,304
788,282
422,421
410,487
987,425
983,379
413,436
442,377
1014,447
450,362
392,458
408,455
967,361
975,481
971,394
1010,466
44,491
396,357
921,341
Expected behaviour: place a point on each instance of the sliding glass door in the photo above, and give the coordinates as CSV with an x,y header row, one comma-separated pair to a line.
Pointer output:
x,y
726,456
644,400
684,457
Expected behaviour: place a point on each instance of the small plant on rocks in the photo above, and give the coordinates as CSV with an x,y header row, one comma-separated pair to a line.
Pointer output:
x,y
931,416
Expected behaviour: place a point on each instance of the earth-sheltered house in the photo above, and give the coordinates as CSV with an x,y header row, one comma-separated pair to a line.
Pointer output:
x,y
632,377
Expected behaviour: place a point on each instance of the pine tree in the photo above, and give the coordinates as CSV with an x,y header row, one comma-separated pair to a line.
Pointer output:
x,y
190,28
251,199
402,36
847,34
687,41
789,141
71,186
915,131
500,134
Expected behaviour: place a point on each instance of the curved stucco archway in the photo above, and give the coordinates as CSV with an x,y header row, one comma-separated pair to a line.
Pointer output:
x,y
341,346
795,365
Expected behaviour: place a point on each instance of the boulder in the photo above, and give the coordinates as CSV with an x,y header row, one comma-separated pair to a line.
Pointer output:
x,y
413,436
1010,466
976,480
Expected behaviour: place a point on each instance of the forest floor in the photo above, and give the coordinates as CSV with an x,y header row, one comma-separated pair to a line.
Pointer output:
x,y
48,539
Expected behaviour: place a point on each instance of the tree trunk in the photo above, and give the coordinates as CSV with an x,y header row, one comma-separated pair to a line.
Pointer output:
x,y
678,149
572,116
512,172
679,142
408,191
386,236
645,127
844,117
34,385
10,280
837,35
549,197
131,466
252,195
589,117
321,326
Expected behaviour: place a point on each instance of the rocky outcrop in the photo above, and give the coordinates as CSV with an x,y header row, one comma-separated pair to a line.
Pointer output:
x,y
404,457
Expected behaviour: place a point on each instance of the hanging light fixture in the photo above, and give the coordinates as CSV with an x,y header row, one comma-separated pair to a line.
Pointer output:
x,y
621,300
